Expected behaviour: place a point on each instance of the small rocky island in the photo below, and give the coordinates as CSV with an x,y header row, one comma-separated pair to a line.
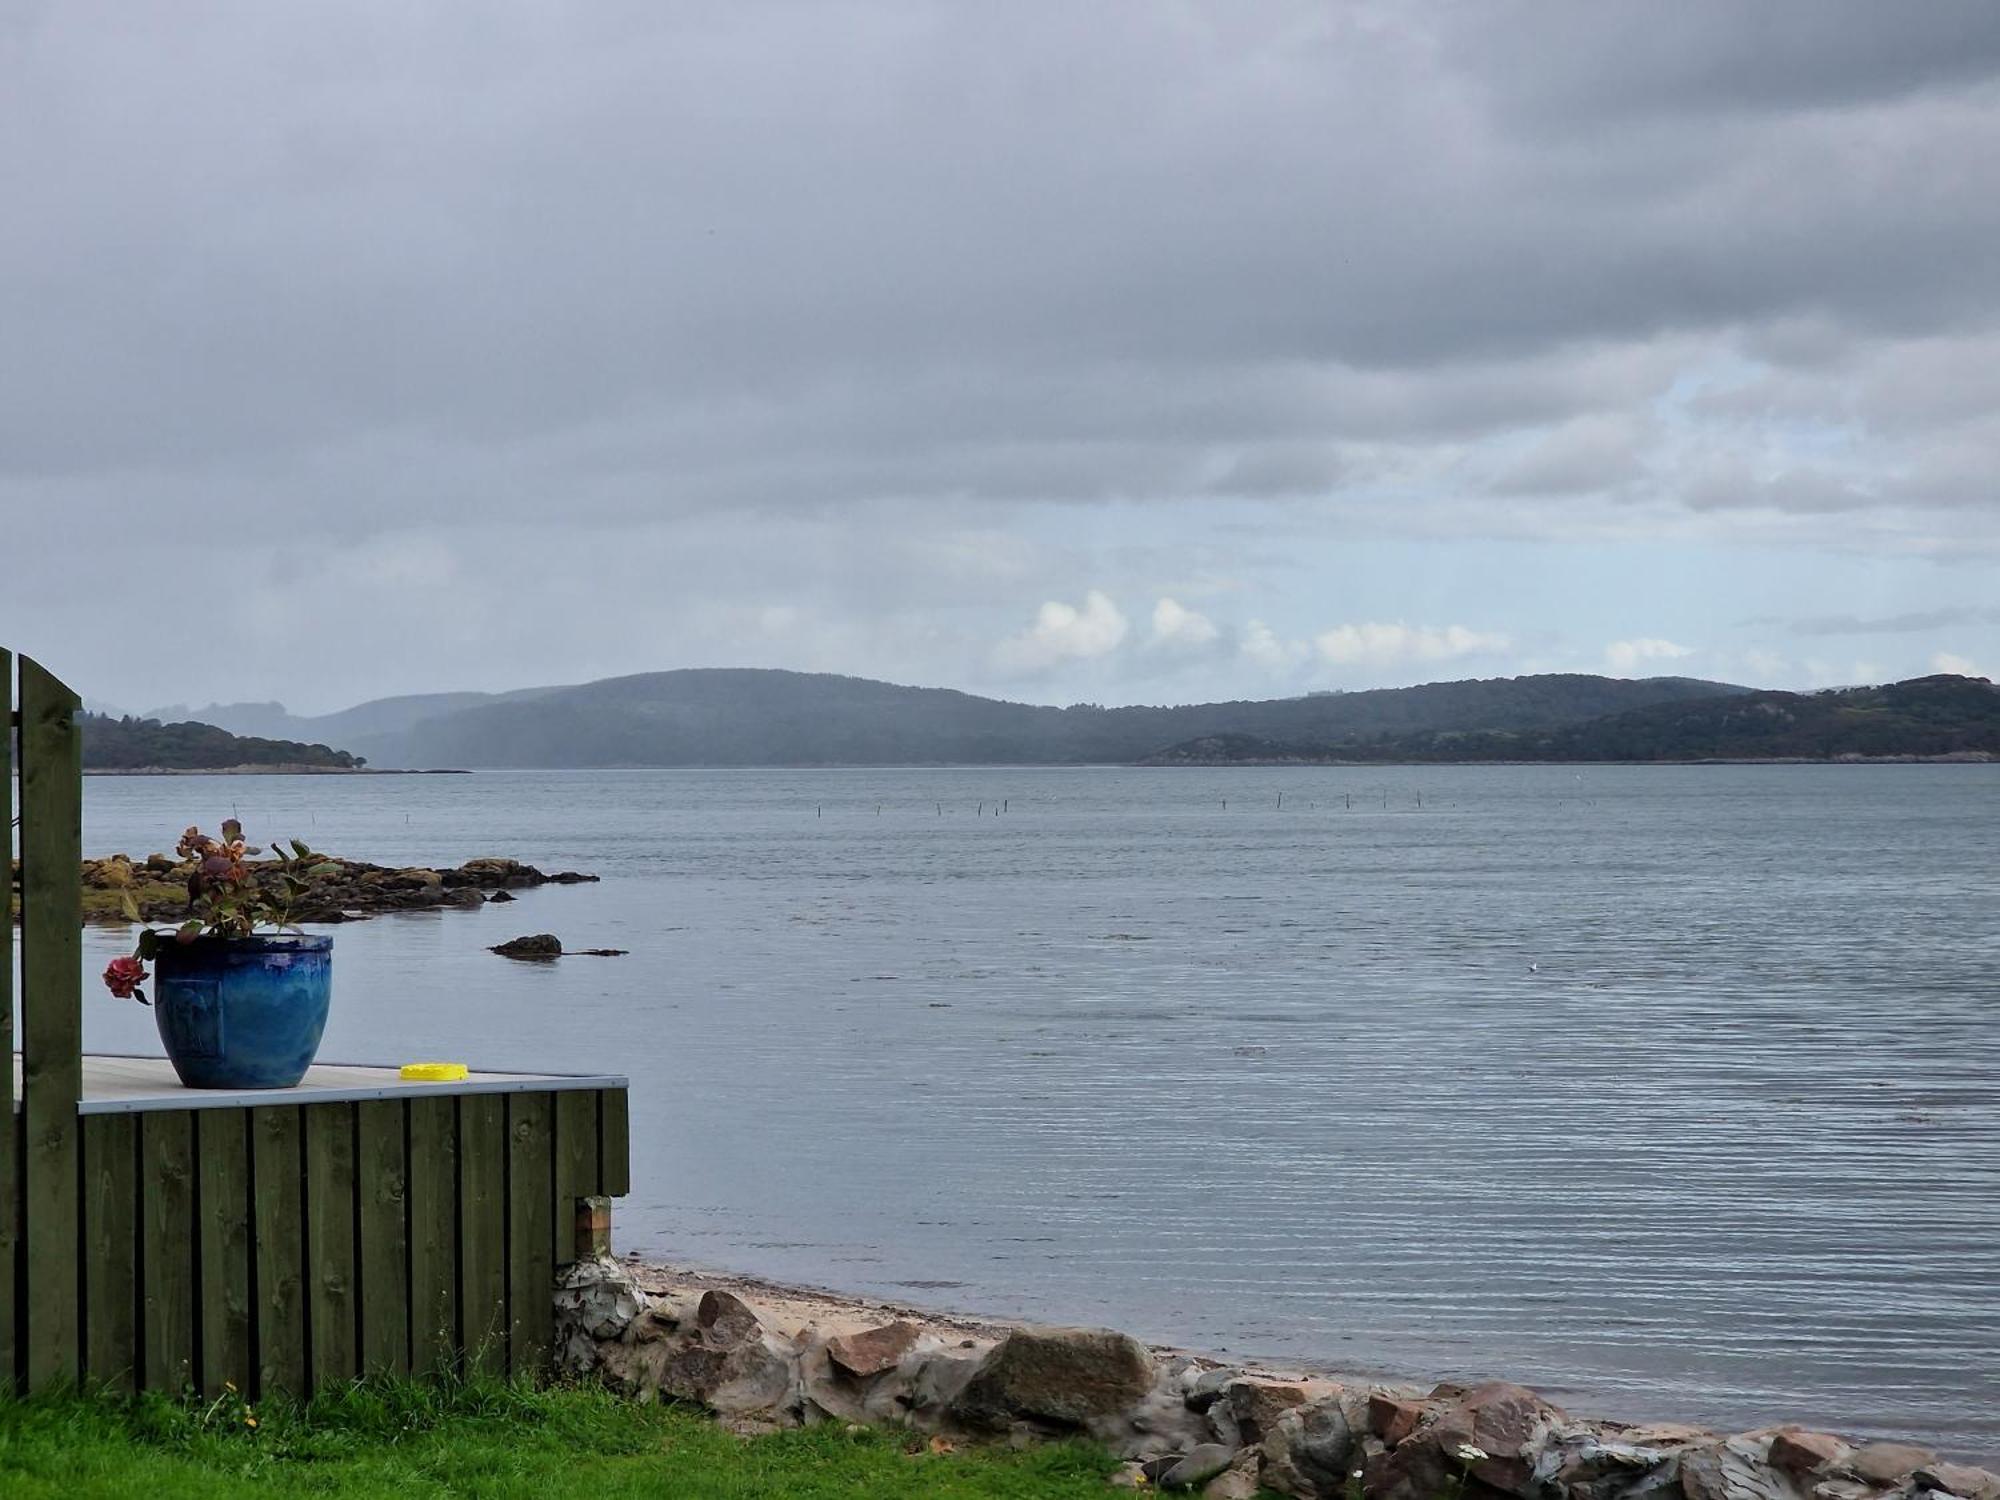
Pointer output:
x,y
352,889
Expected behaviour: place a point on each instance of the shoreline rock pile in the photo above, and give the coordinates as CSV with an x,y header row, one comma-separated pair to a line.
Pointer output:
x,y
354,891
1186,1423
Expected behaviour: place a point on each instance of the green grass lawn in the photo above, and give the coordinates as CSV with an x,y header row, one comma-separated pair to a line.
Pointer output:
x,y
485,1440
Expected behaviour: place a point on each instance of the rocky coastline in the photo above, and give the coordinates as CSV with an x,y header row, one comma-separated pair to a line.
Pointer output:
x,y
762,1357
350,891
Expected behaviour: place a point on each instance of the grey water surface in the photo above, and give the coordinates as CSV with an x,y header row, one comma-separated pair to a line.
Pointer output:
x,y
1674,1092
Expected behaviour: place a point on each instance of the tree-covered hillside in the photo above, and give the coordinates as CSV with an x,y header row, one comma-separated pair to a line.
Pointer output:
x,y
1925,716
129,744
724,717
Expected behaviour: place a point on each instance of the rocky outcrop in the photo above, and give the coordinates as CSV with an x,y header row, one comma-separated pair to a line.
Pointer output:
x,y
543,945
1183,1423
349,890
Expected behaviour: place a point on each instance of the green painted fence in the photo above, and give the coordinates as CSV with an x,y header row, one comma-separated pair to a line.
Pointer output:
x,y
203,1241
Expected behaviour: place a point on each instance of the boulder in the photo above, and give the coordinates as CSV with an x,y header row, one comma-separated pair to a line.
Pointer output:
x,y
938,1375
724,1361
1233,1484
1490,1432
1203,1388
1889,1463
1063,1376
872,1350
596,1301
1584,1462
1958,1479
1159,1422
1798,1451
1202,1464
724,1318
1310,1451
1393,1418
1737,1468
1257,1404
539,945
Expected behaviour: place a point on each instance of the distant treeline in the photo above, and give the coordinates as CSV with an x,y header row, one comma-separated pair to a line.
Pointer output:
x,y
130,744
1925,717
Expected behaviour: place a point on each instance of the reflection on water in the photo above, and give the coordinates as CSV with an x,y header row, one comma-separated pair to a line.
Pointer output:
x,y
1673,1090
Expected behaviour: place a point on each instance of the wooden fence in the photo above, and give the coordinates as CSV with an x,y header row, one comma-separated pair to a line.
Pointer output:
x,y
275,1241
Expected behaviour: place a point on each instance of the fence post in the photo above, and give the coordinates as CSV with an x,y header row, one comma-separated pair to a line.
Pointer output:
x,y
49,1323
10,1187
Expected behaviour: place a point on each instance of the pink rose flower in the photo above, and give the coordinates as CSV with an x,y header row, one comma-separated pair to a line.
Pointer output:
x,y
123,976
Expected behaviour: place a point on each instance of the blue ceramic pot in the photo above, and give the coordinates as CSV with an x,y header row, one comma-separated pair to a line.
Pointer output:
x,y
243,1013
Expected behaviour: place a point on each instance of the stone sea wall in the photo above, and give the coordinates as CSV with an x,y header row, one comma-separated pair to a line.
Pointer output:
x,y
1180,1421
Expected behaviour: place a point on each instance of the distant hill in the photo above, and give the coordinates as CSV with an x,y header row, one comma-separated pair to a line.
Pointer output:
x,y
745,717
1925,717
128,744
374,723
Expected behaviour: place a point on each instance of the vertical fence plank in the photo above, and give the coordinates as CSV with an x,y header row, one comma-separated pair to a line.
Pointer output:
x,y
9,1138
222,1149
577,1155
111,1249
615,1148
433,1193
278,1219
332,1335
385,1284
482,1232
531,1259
167,1249
51,1022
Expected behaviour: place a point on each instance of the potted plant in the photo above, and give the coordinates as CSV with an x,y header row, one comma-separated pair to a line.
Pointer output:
x,y
237,1007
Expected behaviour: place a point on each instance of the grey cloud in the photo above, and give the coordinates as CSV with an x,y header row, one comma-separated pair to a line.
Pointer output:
x,y
485,236
931,295
1593,60
1913,622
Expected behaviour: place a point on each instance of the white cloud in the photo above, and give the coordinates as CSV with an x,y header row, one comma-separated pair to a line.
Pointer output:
x,y
1375,644
1766,665
1063,632
1626,657
1176,625
1951,661
1264,647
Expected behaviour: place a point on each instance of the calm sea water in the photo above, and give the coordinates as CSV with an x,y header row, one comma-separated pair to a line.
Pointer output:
x,y
1675,1092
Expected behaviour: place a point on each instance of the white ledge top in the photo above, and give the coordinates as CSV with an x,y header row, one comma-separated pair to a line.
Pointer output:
x,y
126,1085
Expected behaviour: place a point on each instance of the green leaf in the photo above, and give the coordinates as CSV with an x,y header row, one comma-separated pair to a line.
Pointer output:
x,y
299,848
231,831
321,871
188,931
129,907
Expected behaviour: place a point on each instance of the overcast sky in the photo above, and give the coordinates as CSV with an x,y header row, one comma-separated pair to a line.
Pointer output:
x,y
1073,351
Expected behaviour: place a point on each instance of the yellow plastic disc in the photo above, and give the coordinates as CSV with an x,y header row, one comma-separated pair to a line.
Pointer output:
x,y
433,1072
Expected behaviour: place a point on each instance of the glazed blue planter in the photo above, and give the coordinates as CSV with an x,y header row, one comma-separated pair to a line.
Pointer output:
x,y
243,1013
